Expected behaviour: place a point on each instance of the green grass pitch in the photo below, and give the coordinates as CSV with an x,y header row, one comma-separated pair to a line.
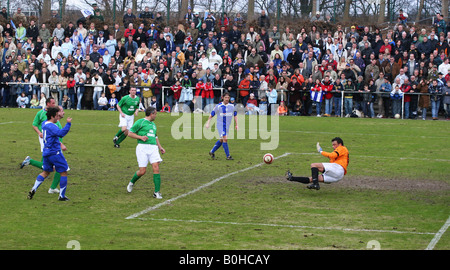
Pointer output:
x,y
396,192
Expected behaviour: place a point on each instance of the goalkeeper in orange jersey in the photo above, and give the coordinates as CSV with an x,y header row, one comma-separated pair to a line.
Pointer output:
x,y
332,171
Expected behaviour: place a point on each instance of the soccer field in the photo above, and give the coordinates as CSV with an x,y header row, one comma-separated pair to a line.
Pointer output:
x,y
394,197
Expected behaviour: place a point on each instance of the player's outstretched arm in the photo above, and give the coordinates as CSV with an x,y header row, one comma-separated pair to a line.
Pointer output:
x,y
62,132
319,149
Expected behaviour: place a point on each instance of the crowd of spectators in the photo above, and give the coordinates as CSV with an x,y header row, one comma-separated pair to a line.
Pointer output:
x,y
84,65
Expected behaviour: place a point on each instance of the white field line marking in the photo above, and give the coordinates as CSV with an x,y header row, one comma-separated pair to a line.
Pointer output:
x,y
199,188
286,226
400,158
438,235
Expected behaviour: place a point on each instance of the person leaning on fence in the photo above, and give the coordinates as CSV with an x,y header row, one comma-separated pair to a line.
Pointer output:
x,y
435,90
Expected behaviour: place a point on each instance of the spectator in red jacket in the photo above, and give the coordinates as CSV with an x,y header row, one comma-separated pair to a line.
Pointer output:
x,y
71,91
327,87
406,88
385,46
244,84
200,94
209,93
176,88
130,31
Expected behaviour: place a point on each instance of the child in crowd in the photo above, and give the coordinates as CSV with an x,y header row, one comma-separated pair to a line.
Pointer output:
x,y
103,102
112,103
166,108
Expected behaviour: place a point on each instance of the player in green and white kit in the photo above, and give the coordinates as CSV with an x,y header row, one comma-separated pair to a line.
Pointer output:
x,y
128,106
41,116
147,150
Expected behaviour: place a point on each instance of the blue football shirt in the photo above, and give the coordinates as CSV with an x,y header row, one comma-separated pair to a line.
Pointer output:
x,y
225,114
52,133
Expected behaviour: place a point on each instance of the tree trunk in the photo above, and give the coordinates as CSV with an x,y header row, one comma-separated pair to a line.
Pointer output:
x,y
419,12
183,9
46,10
250,11
445,9
382,11
314,8
134,7
346,17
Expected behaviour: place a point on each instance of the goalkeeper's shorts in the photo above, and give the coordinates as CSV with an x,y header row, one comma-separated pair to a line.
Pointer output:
x,y
333,172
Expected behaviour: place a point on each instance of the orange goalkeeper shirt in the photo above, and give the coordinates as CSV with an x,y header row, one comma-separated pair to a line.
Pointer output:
x,y
339,156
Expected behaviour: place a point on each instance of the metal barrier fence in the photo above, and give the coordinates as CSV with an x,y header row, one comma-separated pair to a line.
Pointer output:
x,y
237,91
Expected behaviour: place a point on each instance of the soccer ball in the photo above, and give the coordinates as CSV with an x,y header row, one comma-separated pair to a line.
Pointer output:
x,y
397,116
268,158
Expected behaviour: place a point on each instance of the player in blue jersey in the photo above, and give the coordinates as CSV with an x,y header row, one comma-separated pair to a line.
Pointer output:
x,y
53,158
225,112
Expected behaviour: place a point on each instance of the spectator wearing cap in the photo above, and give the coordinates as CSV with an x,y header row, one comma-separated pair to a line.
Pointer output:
x,y
101,39
317,17
210,22
97,14
189,16
352,32
151,35
139,36
19,16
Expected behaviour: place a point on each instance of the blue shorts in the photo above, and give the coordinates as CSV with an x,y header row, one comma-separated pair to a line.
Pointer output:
x,y
223,132
58,161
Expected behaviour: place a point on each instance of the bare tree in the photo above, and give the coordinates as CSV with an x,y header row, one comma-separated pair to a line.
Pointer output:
x,y
382,11
444,11
183,9
46,9
251,10
347,5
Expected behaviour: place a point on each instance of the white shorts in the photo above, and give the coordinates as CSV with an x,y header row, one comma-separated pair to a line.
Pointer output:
x,y
41,142
333,172
147,153
126,121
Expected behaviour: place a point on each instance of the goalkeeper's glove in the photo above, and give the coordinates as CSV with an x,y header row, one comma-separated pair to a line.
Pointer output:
x,y
319,149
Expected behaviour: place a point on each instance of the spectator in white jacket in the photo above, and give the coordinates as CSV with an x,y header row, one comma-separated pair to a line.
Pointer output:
x,y
444,67
98,89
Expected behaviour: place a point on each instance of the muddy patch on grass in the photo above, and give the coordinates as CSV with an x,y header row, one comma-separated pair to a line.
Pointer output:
x,y
371,182
377,183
